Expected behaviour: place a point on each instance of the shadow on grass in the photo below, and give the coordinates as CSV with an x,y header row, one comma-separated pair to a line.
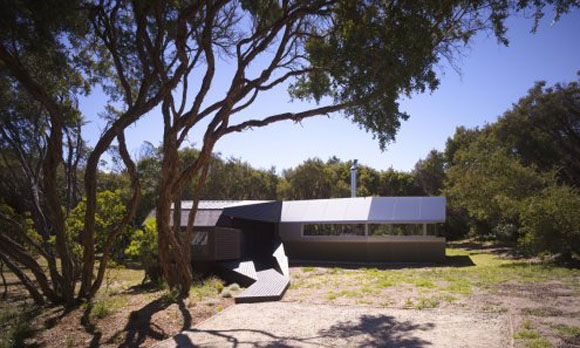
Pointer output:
x,y
367,331
143,288
139,326
504,249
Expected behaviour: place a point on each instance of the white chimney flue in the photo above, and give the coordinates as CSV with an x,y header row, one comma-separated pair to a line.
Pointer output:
x,y
353,178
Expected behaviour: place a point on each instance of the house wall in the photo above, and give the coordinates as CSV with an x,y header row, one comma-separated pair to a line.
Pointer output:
x,y
360,248
257,238
222,244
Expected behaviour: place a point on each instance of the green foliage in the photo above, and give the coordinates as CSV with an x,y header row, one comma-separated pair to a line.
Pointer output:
x,y
104,307
315,179
514,180
490,185
15,327
426,302
110,211
430,173
566,330
551,223
143,248
543,129
209,287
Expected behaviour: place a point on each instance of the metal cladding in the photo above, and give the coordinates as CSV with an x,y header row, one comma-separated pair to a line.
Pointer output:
x,y
366,210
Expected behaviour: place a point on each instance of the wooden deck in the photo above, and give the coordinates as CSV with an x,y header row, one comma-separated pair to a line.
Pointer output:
x,y
270,286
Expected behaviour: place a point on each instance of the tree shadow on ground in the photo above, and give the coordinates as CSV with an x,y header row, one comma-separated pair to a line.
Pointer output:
x,y
143,288
139,326
506,249
367,331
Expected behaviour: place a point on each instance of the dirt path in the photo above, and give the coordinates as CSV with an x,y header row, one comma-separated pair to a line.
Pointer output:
x,y
284,324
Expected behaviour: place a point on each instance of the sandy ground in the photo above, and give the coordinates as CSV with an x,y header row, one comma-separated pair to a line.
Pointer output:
x,y
286,324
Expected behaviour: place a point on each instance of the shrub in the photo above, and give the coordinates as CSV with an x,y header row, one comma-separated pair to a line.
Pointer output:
x,y
15,328
551,223
226,293
143,248
506,232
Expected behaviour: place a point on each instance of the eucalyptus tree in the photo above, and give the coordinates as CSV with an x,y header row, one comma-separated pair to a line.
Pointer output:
x,y
354,57
56,51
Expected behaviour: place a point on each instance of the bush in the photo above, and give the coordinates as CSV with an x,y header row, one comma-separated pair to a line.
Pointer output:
x,y
551,223
143,248
15,327
505,232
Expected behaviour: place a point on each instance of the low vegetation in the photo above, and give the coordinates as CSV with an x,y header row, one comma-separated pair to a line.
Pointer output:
x,y
479,277
124,312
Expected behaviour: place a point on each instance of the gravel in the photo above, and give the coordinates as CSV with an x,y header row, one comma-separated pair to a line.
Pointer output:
x,y
289,324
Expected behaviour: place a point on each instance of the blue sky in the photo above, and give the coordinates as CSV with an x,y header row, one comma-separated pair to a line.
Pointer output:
x,y
492,77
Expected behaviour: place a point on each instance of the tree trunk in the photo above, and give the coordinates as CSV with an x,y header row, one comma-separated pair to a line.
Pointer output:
x,y
36,296
52,161
107,248
5,294
10,248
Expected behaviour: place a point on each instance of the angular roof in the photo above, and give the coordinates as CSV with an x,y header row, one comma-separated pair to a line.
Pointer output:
x,y
203,218
366,210
217,204
337,210
209,212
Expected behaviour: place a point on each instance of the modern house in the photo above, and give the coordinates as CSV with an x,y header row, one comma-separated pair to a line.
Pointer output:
x,y
253,241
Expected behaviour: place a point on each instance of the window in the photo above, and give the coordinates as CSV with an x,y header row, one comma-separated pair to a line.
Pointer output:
x,y
433,229
199,238
395,230
333,229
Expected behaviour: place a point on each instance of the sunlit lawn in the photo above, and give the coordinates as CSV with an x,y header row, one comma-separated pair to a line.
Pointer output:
x,y
427,286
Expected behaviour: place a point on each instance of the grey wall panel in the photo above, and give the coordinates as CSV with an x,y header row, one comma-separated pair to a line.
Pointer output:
x,y
388,251
290,231
227,243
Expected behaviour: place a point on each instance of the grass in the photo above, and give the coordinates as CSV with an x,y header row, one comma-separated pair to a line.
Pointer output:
x,y
494,309
538,343
530,337
104,307
424,283
540,312
426,302
205,288
527,334
488,270
15,327
566,330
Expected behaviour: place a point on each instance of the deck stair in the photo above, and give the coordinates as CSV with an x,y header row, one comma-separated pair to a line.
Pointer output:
x,y
270,286
267,279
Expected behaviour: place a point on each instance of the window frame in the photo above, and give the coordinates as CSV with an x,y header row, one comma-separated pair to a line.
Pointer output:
x,y
366,235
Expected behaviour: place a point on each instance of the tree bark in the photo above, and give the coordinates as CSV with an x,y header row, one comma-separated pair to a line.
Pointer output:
x,y
52,161
132,170
36,296
5,294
